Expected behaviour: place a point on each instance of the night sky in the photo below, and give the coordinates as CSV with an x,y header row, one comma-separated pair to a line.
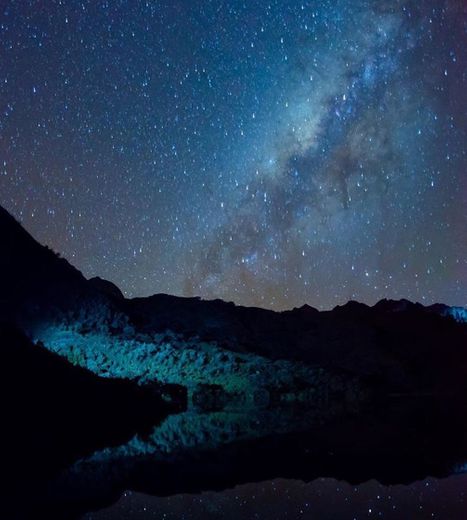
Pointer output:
x,y
267,152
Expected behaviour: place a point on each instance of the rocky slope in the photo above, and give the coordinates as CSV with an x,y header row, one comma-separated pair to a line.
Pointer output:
x,y
54,412
400,345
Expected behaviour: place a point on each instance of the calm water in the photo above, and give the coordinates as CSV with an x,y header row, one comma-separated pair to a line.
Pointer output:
x,y
325,499
403,460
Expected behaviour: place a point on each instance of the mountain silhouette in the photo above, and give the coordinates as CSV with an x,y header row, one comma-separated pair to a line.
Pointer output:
x,y
397,346
85,369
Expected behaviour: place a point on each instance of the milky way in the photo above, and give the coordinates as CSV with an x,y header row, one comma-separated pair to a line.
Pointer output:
x,y
269,153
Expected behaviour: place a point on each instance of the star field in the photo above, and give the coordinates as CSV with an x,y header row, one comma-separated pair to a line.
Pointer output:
x,y
270,153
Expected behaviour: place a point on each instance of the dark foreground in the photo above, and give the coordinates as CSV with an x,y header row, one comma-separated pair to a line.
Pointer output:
x,y
401,443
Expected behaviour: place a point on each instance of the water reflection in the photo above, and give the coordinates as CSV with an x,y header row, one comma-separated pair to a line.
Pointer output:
x,y
255,465
322,499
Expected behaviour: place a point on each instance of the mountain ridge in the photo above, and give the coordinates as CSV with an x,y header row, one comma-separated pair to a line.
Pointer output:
x,y
400,345
11,230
